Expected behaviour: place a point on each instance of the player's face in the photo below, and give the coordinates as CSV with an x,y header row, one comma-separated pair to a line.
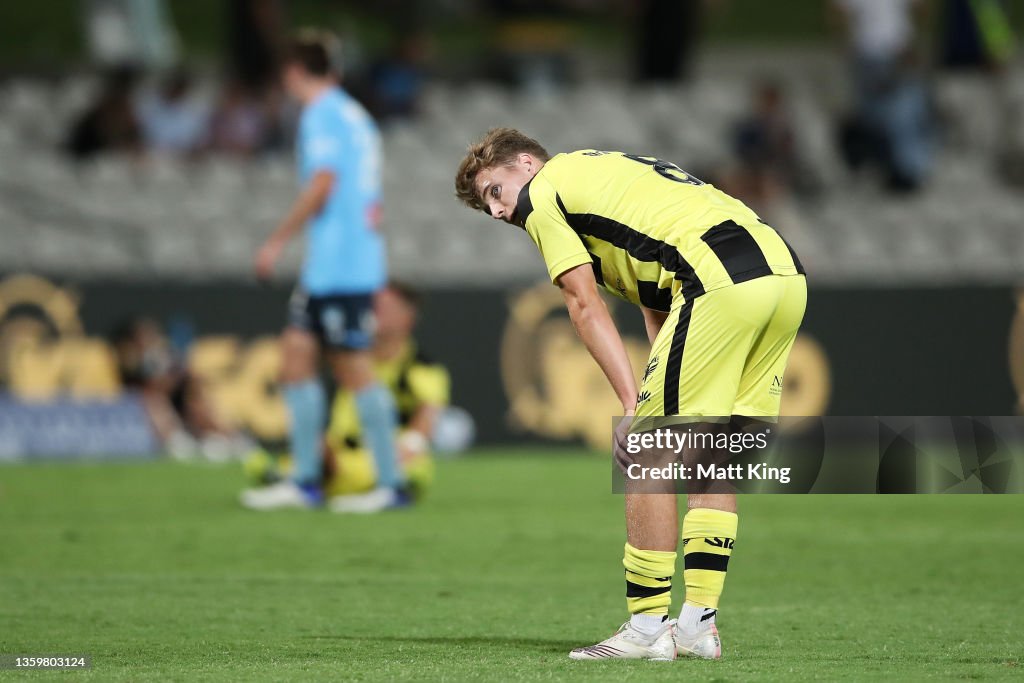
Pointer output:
x,y
499,187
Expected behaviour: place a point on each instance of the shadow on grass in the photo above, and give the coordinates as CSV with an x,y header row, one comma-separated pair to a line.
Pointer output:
x,y
538,644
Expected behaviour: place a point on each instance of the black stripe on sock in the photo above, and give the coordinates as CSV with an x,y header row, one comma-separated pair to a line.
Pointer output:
x,y
738,251
712,561
674,364
710,614
635,590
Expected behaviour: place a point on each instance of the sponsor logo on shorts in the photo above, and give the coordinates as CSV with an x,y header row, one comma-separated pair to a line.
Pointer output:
x,y
651,366
776,388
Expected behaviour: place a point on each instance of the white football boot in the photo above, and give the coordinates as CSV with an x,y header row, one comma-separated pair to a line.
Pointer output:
x,y
280,496
377,500
628,643
703,643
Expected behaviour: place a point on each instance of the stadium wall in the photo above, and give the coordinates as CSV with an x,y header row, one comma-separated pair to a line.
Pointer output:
x,y
514,359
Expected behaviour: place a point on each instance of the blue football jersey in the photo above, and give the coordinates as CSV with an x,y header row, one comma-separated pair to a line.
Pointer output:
x,y
345,253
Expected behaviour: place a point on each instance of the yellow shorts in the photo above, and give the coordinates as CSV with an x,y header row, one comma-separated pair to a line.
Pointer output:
x,y
724,353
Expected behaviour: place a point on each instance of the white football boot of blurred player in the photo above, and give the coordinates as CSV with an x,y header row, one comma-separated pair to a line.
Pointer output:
x,y
377,500
703,643
629,643
279,496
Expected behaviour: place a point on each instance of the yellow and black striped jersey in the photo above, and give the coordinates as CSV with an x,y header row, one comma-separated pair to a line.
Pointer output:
x,y
413,380
650,230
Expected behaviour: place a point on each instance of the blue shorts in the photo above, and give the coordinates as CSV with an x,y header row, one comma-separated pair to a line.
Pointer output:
x,y
343,322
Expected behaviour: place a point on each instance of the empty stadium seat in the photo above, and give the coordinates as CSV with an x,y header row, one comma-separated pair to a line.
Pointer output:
x,y
118,216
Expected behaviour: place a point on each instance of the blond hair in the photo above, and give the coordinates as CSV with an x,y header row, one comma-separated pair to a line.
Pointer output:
x,y
499,147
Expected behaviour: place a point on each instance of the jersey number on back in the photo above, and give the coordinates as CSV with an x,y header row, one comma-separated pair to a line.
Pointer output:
x,y
666,169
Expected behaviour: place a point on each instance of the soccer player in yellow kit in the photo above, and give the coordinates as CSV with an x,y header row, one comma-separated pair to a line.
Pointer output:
x,y
722,297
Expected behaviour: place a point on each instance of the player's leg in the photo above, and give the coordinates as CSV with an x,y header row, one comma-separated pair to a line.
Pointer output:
x,y
651,518
376,408
649,556
348,332
724,325
675,382
709,528
709,533
650,561
307,407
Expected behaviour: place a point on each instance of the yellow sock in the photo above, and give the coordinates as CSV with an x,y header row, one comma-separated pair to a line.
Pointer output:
x,y
708,538
648,580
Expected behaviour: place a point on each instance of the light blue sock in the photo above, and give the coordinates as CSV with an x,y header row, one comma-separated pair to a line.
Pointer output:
x,y
378,418
308,406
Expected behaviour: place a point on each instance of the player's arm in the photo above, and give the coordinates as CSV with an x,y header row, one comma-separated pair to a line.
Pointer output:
x,y
429,384
653,320
415,439
423,419
596,329
309,202
570,266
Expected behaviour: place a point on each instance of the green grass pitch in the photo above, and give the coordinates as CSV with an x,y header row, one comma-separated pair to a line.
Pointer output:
x,y
154,571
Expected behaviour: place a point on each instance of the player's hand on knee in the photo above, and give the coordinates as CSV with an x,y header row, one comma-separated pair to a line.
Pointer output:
x,y
619,442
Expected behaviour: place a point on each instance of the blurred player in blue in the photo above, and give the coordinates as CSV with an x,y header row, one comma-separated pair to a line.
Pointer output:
x,y
331,309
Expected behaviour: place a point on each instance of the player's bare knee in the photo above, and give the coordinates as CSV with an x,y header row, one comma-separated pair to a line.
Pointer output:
x,y
352,369
298,356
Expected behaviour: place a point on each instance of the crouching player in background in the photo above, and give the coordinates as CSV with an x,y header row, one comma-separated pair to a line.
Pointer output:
x,y
420,389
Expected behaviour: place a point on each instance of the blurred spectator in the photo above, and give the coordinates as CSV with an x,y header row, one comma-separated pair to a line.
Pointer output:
x,y
976,34
255,29
891,123
137,32
768,171
765,149
108,124
172,118
147,363
202,432
177,403
396,82
241,124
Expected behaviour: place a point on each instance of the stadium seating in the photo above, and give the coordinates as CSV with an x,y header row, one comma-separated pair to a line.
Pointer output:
x,y
157,216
